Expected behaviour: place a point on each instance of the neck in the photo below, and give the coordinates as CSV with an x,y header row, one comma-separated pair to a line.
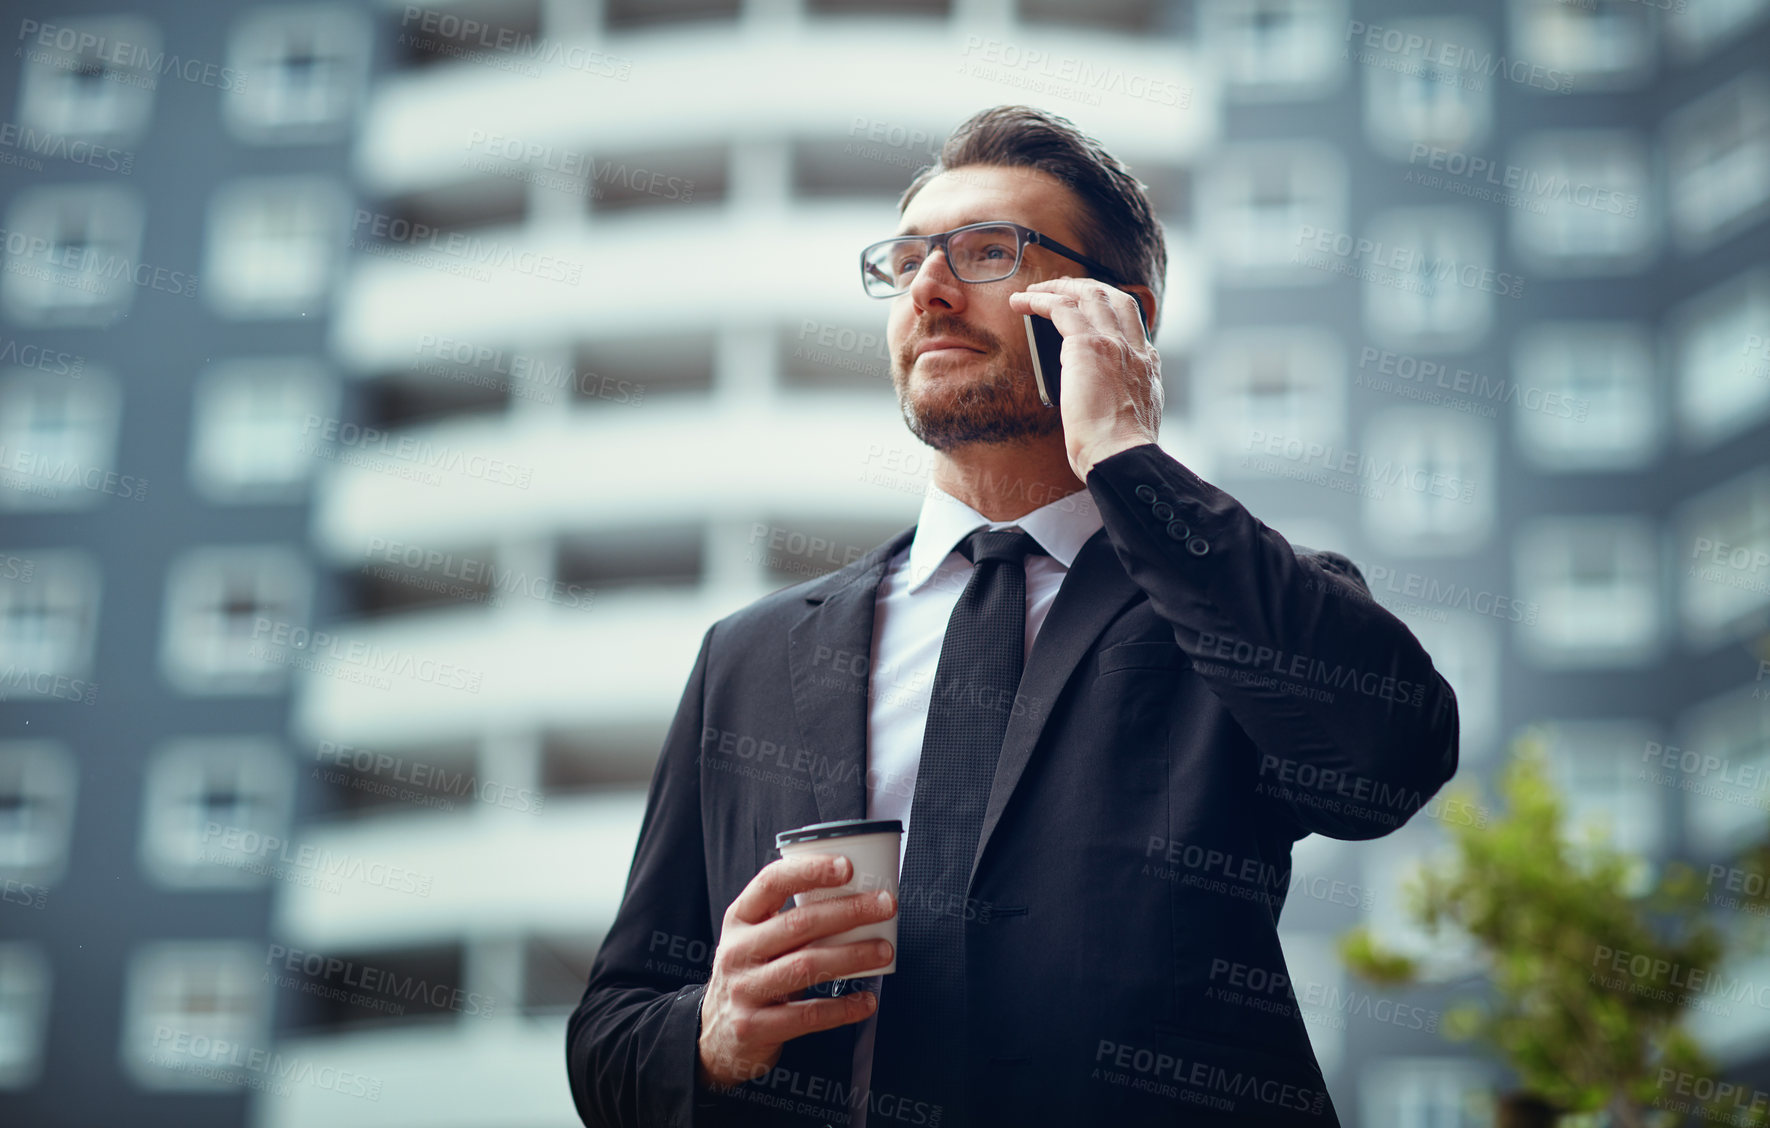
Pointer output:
x,y
1004,481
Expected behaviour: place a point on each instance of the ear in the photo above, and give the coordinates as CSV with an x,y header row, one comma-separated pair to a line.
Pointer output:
x,y
1146,305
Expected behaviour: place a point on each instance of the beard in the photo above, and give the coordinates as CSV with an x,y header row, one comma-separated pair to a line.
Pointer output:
x,y
995,401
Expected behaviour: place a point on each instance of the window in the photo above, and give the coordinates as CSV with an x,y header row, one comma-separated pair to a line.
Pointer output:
x,y
274,245
37,781
24,1013
670,555
1261,382
79,265
1696,29
628,180
1718,162
487,31
248,427
1425,1093
1723,557
1273,50
1718,347
1428,479
57,437
1597,766
48,621
1440,98
208,807
308,67
908,8
1727,811
1126,17
856,166
1257,198
1584,395
81,89
182,998
1432,279
634,15
1586,46
224,609
1591,187
1594,581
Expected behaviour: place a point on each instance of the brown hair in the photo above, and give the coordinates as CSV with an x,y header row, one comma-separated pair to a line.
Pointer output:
x,y
1117,225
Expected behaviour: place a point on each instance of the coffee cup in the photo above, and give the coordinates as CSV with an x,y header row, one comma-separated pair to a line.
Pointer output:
x,y
872,845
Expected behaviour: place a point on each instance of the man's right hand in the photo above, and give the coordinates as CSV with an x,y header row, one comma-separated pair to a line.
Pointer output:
x,y
751,1009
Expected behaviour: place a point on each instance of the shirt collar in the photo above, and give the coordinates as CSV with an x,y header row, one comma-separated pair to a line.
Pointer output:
x,y
1061,527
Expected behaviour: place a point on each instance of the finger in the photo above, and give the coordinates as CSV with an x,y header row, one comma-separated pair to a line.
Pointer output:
x,y
782,878
1063,309
786,976
1104,306
808,1016
800,926
1114,307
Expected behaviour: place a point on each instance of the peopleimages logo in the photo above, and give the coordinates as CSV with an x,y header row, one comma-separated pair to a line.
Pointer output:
x,y
1427,53
90,266
1368,259
135,64
1534,185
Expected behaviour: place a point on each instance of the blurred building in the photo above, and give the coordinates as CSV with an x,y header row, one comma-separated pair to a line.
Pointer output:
x,y
1491,314
477,355
169,176
610,261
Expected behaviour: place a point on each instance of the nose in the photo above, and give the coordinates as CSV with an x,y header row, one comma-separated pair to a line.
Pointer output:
x,y
935,287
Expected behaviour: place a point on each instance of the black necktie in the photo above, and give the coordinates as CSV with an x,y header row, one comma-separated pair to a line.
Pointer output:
x,y
918,1052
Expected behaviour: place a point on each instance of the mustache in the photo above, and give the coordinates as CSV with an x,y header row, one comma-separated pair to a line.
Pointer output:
x,y
949,327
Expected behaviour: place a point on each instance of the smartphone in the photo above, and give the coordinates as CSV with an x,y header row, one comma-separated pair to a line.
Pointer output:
x,y
1046,345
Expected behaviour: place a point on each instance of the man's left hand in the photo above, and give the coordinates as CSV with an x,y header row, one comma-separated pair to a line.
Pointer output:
x,y
1112,375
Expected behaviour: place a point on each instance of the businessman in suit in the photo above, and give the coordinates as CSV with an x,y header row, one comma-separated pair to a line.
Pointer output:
x,y
1104,698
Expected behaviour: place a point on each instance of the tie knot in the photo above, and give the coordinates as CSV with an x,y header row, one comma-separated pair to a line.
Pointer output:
x,y
999,544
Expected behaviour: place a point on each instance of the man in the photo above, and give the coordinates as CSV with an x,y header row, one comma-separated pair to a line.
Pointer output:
x,y
1098,825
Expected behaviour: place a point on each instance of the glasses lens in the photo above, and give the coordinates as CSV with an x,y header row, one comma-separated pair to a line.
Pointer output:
x,y
977,254
889,267
983,254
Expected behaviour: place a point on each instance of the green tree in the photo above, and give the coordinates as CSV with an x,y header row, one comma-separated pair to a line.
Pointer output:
x,y
1593,966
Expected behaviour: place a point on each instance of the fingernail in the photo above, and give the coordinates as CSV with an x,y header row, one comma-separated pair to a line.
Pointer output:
x,y
884,899
883,947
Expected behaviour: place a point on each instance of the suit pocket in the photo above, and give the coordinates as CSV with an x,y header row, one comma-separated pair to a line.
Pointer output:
x,y
1155,654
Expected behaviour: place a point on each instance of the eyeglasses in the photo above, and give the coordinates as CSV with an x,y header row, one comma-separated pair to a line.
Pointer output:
x,y
977,252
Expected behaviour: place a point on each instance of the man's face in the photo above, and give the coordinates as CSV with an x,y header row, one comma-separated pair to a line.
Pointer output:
x,y
981,390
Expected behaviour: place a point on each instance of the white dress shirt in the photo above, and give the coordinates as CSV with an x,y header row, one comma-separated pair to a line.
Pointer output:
x,y
916,598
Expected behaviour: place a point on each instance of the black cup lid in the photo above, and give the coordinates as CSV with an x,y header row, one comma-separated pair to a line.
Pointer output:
x,y
841,828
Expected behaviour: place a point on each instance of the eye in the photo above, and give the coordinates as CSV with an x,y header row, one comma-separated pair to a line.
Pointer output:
x,y
998,251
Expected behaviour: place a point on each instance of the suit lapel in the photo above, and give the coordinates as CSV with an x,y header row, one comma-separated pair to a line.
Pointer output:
x,y
1093,592
828,655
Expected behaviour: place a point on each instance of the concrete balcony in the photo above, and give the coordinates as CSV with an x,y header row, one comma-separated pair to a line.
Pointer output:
x,y
421,877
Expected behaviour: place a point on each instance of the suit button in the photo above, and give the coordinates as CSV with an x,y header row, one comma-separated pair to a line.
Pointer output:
x,y
1198,546
1163,511
1145,493
1179,530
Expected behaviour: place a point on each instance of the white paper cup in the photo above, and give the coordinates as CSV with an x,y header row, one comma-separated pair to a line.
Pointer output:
x,y
873,846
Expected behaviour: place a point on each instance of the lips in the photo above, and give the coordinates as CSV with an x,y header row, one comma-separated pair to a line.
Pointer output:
x,y
940,344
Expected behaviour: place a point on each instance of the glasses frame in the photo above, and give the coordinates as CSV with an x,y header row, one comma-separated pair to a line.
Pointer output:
x,y
1023,236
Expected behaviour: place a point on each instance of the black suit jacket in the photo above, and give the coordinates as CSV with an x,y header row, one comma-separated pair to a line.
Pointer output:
x,y
1200,696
